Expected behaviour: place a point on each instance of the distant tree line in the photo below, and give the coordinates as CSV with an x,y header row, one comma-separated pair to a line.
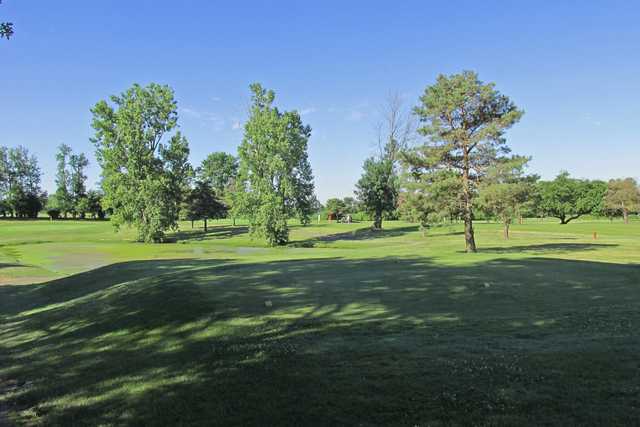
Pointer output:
x,y
72,199
20,193
445,160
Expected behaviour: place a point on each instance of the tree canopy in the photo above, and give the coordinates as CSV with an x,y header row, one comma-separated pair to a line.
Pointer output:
x,y
568,198
336,207
377,188
20,176
275,180
71,191
202,204
219,169
505,190
623,196
463,121
144,176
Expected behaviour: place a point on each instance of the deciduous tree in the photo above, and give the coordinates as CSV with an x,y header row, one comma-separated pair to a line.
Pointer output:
x,y
144,175
63,200
505,189
623,196
377,188
336,207
203,205
78,182
568,198
275,180
20,178
218,169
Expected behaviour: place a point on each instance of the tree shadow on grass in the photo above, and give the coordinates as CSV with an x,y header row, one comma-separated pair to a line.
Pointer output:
x,y
213,232
547,247
365,233
325,341
10,265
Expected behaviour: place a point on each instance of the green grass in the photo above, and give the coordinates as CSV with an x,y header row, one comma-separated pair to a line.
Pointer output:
x,y
343,327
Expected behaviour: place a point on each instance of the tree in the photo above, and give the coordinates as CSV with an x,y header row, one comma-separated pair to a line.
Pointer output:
x,y
350,205
63,198
20,178
53,207
275,180
430,196
568,198
77,182
203,205
505,190
71,180
94,205
144,178
6,29
336,207
464,121
219,169
396,129
623,196
377,189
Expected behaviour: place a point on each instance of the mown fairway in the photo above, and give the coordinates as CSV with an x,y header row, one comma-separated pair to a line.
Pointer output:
x,y
342,327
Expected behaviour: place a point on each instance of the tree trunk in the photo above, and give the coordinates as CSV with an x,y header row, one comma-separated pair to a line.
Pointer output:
x,y
233,218
625,215
191,223
377,221
507,223
205,225
469,238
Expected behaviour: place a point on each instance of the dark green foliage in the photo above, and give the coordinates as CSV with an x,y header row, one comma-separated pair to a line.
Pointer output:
x,y
94,204
568,198
220,170
202,204
143,177
377,188
28,205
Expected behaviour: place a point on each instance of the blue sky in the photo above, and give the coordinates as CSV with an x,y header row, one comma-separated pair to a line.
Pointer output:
x,y
573,66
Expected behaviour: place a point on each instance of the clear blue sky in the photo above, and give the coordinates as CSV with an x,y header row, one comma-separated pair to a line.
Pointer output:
x,y
573,66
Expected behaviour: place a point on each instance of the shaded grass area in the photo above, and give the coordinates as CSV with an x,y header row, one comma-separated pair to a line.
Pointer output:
x,y
357,234
325,341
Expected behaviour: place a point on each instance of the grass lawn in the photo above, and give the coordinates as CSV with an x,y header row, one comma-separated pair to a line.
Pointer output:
x,y
342,327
